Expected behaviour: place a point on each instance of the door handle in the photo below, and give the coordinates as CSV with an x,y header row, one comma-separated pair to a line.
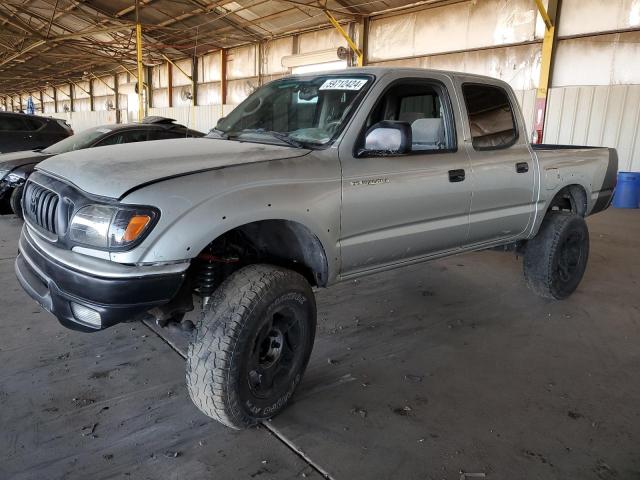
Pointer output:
x,y
456,175
522,167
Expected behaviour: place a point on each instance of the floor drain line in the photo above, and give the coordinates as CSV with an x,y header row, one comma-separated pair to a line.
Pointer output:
x,y
274,432
291,446
168,342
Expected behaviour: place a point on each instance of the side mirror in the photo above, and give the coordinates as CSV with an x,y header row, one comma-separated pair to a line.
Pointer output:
x,y
387,138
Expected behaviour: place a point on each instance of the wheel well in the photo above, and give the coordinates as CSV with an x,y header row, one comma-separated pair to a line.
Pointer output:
x,y
571,198
279,242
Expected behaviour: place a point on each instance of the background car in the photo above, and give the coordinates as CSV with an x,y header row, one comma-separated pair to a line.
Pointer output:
x,y
15,167
19,131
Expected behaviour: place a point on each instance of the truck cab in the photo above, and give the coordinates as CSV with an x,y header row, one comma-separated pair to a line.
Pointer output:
x,y
468,141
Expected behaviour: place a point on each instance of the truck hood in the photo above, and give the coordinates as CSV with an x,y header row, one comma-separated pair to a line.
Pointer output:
x,y
9,161
115,170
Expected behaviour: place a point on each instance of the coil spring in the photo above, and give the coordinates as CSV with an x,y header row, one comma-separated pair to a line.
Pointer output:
x,y
212,270
206,278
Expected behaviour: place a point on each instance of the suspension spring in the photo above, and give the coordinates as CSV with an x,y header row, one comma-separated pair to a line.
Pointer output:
x,y
211,271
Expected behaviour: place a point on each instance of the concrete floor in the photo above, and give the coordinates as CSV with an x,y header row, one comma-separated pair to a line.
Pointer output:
x,y
428,372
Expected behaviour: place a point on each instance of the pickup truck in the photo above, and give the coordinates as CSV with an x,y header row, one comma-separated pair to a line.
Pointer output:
x,y
312,180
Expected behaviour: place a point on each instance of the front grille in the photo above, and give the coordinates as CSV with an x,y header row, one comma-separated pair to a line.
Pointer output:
x,y
40,206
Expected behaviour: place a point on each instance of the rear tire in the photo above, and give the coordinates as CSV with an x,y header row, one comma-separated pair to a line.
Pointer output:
x,y
252,345
16,201
555,260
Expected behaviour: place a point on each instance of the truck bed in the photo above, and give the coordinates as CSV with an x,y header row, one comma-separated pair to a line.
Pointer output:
x,y
593,168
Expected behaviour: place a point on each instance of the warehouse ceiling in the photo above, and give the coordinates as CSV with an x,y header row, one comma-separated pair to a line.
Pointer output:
x,y
51,41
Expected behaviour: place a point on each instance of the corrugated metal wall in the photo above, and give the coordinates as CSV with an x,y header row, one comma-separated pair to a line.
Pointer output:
x,y
606,115
602,115
80,121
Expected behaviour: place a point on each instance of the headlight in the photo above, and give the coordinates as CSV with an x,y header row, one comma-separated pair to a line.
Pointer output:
x,y
110,227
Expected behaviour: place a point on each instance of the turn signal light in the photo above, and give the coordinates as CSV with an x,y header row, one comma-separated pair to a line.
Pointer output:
x,y
136,226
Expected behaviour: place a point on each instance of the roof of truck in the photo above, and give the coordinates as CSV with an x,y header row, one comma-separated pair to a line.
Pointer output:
x,y
384,70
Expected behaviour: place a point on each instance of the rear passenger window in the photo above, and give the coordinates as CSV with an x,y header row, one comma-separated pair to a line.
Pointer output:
x,y
133,136
11,123
491,118
166,134
124,137
32,123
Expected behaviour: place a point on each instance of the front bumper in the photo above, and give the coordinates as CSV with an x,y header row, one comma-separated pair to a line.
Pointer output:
x,y
66,290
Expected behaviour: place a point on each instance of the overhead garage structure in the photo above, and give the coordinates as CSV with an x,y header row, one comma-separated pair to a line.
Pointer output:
x,y
576,76
77,59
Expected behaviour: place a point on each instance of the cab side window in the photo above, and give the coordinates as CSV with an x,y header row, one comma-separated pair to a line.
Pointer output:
x,y
491,117
12,124
420,105
136,136
33,124
124,137
166,134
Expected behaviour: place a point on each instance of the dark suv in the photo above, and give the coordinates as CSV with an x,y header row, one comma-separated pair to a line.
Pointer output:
x,y
27,132
15,167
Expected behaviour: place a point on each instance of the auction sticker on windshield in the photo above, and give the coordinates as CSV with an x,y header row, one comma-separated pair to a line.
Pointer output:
x,y
343,84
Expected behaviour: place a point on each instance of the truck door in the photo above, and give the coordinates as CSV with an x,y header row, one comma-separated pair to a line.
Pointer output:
x,y
402,208
503,173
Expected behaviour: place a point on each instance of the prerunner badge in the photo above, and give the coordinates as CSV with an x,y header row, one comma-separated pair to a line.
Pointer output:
x,y
343,84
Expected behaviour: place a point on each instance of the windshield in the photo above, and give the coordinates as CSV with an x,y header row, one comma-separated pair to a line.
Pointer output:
x,y
295,111
78,141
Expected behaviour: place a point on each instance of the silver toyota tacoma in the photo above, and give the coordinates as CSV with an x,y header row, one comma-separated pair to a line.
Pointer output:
x,y
312,180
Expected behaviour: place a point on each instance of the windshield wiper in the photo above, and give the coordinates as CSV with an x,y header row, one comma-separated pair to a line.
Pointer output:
x,y
217,131
283,137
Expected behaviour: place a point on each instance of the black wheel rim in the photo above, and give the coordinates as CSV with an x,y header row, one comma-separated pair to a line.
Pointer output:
x,y
276,351
570,256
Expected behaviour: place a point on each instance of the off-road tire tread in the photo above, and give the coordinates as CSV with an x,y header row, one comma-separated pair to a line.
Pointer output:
x,y
540,252
216,338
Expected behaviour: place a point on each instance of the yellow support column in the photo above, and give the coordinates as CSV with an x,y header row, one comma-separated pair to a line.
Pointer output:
x,y
139,61
345,35
140,72
549,16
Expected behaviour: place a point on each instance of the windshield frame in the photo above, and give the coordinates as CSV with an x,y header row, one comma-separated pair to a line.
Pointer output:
x,y
358,101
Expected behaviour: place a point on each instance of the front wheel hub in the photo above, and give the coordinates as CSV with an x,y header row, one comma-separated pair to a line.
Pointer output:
x,y
271,348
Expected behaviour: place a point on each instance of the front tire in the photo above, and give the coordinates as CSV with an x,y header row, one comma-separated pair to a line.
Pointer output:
x,y
252,345
16,201
555,260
